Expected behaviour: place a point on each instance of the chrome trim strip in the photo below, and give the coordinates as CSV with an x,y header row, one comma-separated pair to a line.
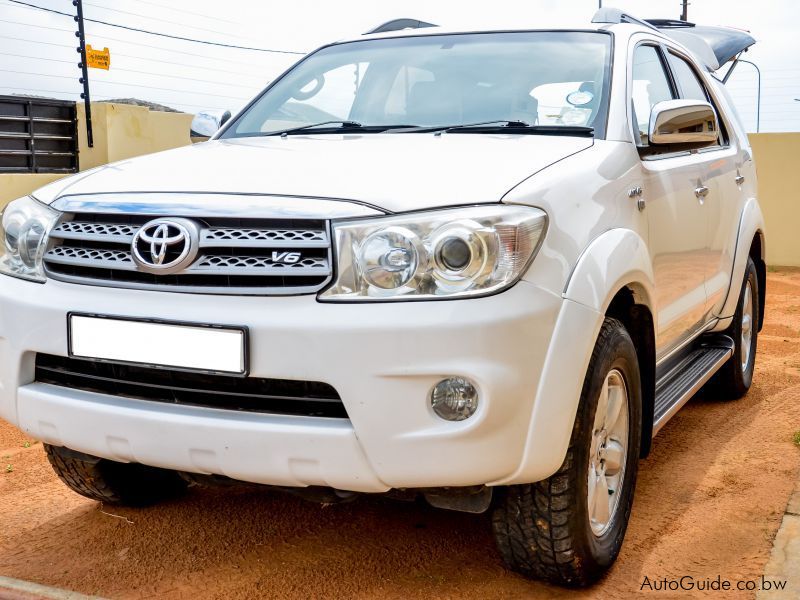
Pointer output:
x,y
194,289
686,344
213,205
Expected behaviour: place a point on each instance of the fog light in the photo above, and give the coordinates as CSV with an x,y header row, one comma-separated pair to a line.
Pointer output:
x,y
454,399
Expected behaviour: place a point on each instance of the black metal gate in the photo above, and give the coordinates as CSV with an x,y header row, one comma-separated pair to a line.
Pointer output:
x,y
38,135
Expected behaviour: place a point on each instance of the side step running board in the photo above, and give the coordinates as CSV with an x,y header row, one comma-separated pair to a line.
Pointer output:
x,y
683,380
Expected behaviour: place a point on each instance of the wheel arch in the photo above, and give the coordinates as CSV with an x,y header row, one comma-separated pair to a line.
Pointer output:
x,y
614,276
613,271
758,253
750,243
618,259
638,321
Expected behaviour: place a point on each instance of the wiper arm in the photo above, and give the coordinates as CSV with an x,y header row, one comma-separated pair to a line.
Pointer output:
x,y
500,123
506,126
341,124
569,130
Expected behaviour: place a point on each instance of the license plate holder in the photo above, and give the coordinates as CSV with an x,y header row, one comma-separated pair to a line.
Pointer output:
x,y
161,344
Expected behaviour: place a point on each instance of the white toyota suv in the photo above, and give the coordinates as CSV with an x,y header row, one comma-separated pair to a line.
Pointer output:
x,y
480,267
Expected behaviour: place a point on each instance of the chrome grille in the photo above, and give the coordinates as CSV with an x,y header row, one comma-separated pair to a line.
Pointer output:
x,y
236,256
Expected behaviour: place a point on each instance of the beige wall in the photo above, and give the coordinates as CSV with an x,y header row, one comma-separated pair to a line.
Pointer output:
x,y
778,163
120,131
16,185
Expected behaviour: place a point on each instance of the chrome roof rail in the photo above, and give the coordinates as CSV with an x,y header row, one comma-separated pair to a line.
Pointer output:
x,y
616,16
401,24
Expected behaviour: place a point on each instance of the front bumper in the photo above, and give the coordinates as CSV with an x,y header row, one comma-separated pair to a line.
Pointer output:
x,y
383,359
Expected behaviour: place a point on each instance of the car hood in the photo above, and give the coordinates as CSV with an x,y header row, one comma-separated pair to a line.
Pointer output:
x,y
393,172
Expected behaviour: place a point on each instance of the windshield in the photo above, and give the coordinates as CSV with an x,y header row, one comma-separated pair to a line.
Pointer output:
x,y
537,78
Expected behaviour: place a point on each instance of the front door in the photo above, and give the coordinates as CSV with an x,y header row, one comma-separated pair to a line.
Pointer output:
x,y
720,164
677,221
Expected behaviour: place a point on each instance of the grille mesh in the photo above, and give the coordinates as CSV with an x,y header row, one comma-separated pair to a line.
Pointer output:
x,y
276,235
236,256
96,228
251,394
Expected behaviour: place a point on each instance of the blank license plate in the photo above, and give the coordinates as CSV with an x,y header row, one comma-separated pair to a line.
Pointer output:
x,y
193,347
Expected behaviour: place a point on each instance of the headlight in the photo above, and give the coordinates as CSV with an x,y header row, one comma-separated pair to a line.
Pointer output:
x,y
26,224
459,252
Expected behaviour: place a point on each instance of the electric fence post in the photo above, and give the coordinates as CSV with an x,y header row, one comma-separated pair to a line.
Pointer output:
x,y
80,34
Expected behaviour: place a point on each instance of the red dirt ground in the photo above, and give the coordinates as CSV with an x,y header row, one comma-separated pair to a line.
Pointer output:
x,y
709,501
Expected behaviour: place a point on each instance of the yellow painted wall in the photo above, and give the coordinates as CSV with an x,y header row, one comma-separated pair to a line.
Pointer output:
x,y
122,131
777,158
16,185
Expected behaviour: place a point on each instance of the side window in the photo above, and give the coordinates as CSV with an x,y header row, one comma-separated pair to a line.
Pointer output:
x,y
650,86
691,88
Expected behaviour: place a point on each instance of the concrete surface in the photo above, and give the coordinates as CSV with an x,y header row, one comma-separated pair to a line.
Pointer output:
x,y
784,562
17,589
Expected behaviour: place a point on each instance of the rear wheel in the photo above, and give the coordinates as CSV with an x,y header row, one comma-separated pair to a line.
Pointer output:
x,y
733,380
127,484
568,529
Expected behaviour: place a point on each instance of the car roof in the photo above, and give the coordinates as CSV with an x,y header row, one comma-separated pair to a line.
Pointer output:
x,y
711,46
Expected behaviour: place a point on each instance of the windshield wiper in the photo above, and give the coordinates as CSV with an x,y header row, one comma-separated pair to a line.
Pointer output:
x,y
497,123
337,127
506,126
340,124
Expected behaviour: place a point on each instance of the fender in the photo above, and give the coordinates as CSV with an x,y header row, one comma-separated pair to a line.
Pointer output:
x,y
615,259
751,223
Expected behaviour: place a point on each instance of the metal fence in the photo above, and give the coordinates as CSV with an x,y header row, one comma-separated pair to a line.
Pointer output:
x,y
38,135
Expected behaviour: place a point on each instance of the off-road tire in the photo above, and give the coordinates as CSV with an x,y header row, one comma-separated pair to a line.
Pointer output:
x,y
543,529
126,484
732,382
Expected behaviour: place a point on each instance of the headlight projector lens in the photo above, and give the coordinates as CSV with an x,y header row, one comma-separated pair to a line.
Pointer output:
x,y
454,399
455,253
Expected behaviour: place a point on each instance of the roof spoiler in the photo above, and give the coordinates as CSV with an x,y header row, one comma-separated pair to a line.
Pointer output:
x,y
713,46
401,24
725,43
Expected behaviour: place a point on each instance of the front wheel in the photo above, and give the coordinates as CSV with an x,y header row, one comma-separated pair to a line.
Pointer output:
x,y
126,484
568,529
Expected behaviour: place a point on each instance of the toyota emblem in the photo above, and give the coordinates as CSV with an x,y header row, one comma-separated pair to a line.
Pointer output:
x,y
164,246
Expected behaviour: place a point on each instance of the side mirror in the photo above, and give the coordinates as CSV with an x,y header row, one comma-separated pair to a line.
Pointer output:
x,y
207,122
684,122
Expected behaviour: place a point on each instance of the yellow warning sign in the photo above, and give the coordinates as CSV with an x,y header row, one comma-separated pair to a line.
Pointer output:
x,y
98,59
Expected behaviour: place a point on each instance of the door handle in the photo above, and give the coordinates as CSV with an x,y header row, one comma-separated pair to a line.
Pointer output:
x,y
701,192
739,179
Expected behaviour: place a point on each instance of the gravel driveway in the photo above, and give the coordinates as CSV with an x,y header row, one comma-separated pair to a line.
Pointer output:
x,y
709,501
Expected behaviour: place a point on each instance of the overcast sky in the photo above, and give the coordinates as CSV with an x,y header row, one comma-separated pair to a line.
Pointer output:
x,y
37,49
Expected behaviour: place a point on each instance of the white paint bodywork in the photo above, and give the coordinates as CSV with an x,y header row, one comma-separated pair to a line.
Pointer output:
x,y
527,349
